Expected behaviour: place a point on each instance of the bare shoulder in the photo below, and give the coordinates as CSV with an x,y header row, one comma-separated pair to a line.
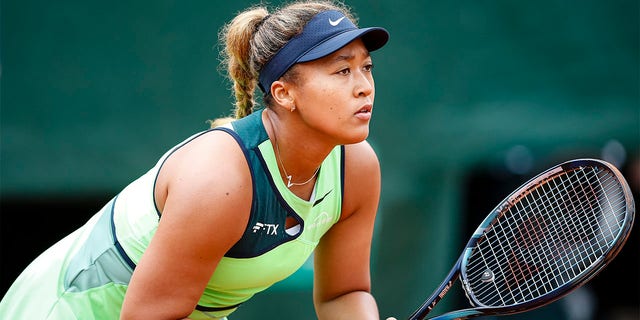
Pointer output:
x,y
362,178
361,154
206,177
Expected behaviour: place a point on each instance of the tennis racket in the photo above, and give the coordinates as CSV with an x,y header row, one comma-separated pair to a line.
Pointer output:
x,y
549,237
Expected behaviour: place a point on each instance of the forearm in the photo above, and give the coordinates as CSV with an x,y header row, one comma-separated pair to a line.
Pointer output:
x,y
353,305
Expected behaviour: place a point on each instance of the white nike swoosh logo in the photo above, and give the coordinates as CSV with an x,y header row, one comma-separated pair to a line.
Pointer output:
x,y
335,23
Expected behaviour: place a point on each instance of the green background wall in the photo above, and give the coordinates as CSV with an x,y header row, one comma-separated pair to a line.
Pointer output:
x,y
92,93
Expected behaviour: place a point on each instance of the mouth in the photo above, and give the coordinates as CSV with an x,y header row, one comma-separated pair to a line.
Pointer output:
x,y
365,109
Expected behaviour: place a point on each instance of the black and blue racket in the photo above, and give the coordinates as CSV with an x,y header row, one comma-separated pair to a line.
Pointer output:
x,y
546,239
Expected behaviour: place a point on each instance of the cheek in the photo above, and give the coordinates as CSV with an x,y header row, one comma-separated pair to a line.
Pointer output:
x,y
330,103
324,96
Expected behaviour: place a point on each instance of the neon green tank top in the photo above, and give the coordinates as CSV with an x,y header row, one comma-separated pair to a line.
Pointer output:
x,y
266,253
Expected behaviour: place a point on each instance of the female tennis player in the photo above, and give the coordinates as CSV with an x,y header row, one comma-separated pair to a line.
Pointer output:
x,y
232,210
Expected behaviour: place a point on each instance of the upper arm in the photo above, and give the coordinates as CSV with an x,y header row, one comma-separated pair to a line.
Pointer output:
x,y
205,200
342,258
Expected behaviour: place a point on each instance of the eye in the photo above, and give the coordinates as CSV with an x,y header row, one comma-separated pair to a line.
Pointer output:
x,y
344,71
368,67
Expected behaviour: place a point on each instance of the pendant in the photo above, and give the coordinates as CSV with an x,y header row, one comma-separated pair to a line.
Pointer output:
x,y
289,184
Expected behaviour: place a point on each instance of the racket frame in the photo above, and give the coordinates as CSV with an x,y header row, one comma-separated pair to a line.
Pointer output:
x,y
459,268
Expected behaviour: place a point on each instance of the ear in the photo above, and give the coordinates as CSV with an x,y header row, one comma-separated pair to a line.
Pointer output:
x,y
282,95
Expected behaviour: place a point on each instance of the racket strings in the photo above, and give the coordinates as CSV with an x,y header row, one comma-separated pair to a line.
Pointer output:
x,y
568,247
547,237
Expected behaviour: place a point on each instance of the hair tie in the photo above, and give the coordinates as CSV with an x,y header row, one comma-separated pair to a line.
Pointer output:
x,y
261,22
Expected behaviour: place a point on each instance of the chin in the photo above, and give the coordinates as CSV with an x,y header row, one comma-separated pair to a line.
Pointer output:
x,y
359,137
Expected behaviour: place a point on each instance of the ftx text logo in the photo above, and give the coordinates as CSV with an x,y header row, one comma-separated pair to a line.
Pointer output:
x,y
269,228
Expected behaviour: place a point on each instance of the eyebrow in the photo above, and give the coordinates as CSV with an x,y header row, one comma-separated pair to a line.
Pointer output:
x,y
345,57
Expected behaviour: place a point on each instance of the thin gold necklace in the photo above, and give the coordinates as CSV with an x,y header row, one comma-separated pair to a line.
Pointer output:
x,y
289,183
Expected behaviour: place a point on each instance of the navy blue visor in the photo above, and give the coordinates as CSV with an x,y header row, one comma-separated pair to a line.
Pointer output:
x,y
327,32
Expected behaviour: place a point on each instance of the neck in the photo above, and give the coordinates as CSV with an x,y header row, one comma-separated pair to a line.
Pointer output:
x,y
290,182
298,158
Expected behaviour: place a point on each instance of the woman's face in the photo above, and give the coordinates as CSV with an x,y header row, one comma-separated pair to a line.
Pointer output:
x,y
335,94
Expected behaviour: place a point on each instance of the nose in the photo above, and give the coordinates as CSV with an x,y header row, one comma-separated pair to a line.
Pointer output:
x,y
364,84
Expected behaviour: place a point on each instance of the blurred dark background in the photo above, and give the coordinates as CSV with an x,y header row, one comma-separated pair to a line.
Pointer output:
x,y
473,99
